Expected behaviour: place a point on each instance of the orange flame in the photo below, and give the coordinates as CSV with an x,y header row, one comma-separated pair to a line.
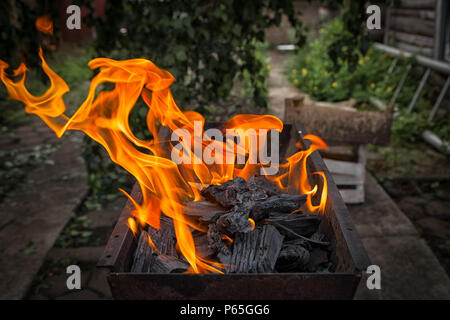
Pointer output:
x,y
44,24
165,185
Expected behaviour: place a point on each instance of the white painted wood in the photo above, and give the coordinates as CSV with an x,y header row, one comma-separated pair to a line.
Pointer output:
x,y
348,173
344,167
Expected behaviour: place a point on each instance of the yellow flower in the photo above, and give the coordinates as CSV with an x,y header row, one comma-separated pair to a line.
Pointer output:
x,y
304,72
268,67
372,85
334,84
295,81
360,61
321,30
388,89
315,88
366,58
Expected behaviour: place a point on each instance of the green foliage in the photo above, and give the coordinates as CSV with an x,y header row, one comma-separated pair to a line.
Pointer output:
x,y
19,37
205,44
316,73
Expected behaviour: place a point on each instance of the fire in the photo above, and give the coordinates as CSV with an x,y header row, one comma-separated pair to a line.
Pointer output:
x,y
165,185
44,25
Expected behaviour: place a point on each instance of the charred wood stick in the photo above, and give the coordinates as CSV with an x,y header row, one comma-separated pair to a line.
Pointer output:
x,y
301,223
322,243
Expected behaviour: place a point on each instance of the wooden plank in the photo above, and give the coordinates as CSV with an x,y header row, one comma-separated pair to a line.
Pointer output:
x,y
412,25
347,179
422,14
341,126
419,4
413,39
344,167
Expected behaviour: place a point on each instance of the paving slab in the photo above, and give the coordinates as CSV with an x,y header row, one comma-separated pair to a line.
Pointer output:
x,y
81,254
409,269
379,216
32,216
99,283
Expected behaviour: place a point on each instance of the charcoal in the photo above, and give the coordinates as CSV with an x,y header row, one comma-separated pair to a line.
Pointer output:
x,y
236,220
164,241
164,263
215,240
282,203
201,242
318,260
227,194
254,252
318,236
291,225
260,183
204,211
143,254
292,257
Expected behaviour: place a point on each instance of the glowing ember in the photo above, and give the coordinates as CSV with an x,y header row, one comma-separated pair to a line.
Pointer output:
x,y
165,185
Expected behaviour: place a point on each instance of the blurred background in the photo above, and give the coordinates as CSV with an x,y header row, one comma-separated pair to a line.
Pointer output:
x,y
59,199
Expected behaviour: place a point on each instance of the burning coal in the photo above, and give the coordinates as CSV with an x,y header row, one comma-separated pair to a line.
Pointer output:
x,y
166,185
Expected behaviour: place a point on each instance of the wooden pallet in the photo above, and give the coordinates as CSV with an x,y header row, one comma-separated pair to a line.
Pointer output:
x,y
349,175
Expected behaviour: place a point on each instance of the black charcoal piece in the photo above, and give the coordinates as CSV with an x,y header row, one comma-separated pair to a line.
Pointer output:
x,y
294,224
236,220
226,194
293,257
215,240
318,260
261,183
164,263
203,210
164,241
282,203
254,252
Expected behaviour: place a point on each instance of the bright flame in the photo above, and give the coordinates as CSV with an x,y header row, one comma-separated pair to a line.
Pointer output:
x,y
44,25
164,185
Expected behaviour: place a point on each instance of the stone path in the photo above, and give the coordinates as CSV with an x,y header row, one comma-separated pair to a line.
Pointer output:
x,y
35,212
409,269
279,87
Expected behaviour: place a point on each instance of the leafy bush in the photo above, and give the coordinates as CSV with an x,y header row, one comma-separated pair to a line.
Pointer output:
x,y
205,44
327,78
